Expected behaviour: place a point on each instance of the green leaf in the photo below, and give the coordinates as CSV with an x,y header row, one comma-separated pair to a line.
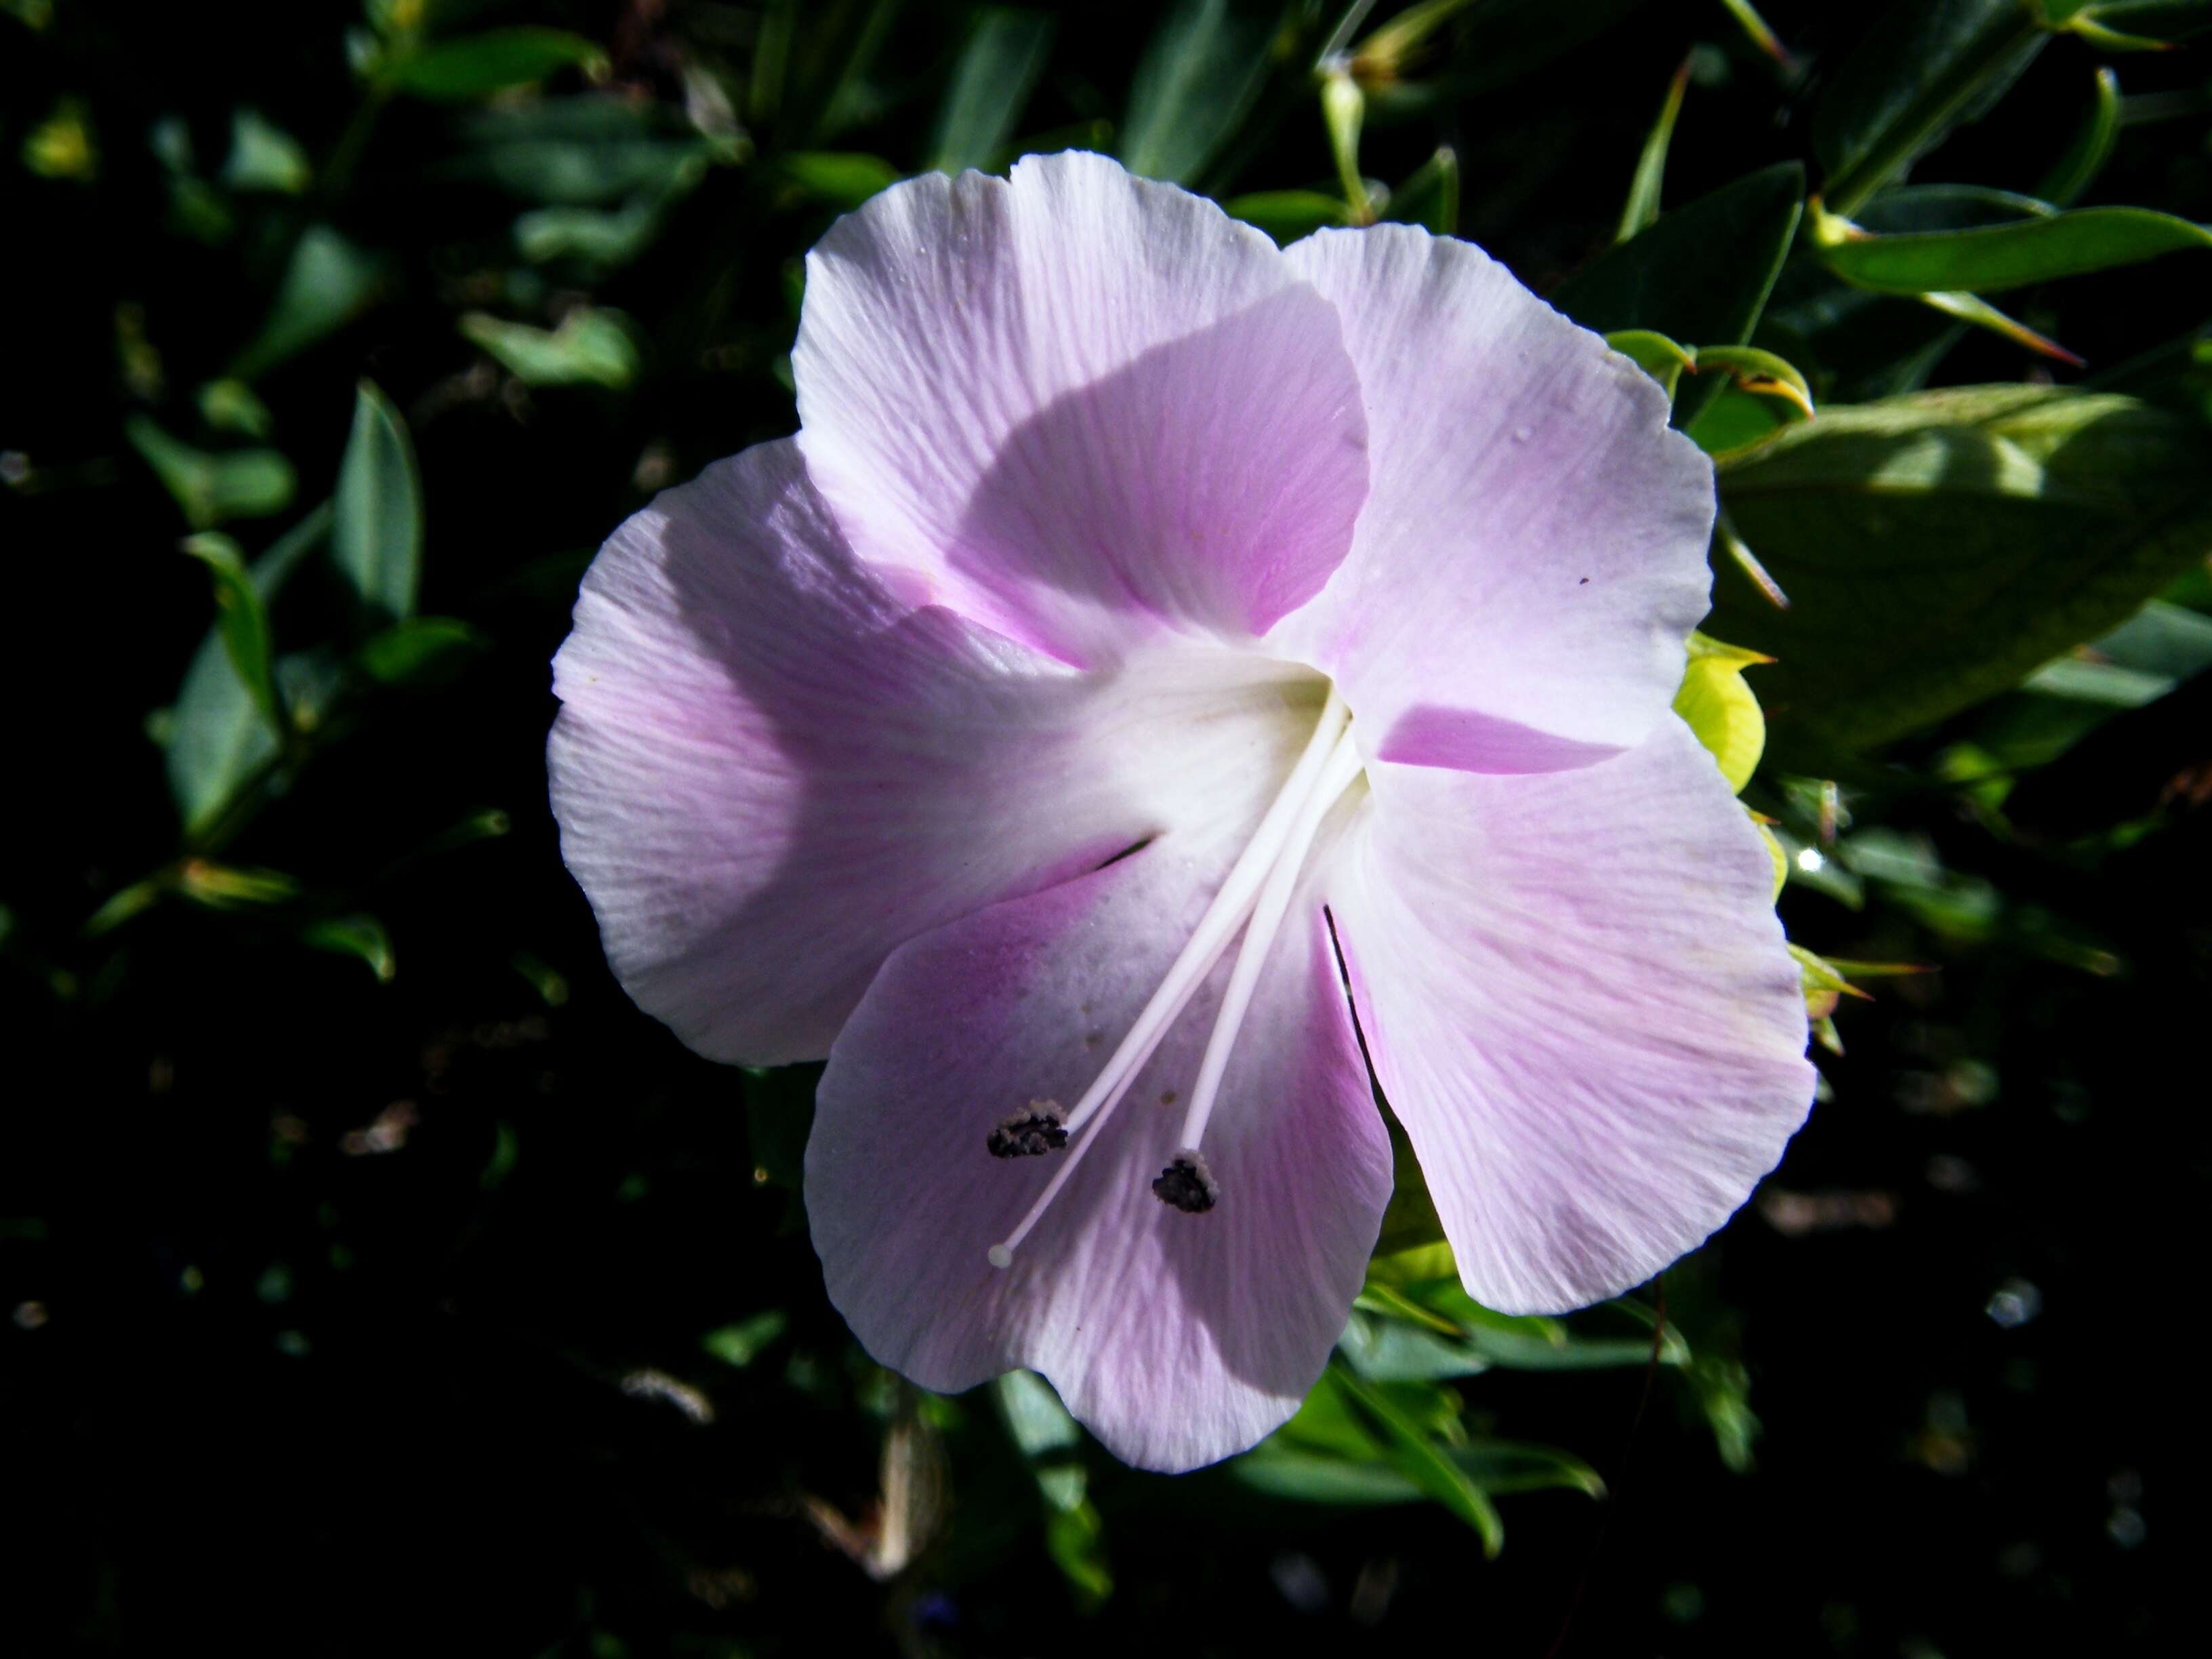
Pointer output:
x,y
592,346
740,1344
213,488
1701,273
2001,256
1287,214
326,283
419,651
1641,211
264,157
476,65
233,406
218,737
359,936
1938,548
991,84
837,178
591,149
1663,359
1426,1464
242,623
1196,83
1924,68
2091,145
1720,709
377,536
1429,196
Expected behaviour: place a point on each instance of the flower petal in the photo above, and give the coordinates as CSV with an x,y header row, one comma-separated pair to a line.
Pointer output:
x,y
1532,553
1177,1338
1575,994
769,772
1078,406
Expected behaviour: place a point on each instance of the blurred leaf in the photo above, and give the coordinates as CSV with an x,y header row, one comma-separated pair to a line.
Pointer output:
x,y
1925,67
233,406
264,157
475,65
1997,257
1287,214
1700,273
991,84
359,936
1720,709
242,623
420,650
62,146
327,282
1498,1467
2091,145
590,347
592,149
836,178
228,886
606,237
740,1344
1196,83
1641,211
1429,196
218,737
1938,548
376,535
213,488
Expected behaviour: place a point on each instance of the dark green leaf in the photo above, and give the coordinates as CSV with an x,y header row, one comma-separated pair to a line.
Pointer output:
x,y
358,936
1700,274
213,487
474,66
1937,548
1427,1464
327,282
2091,145
740,1344
991,85
263,157
242,623
592,346
2001,256
1287,214
837,180
377,536
217,736
1923,68
1641,211
1195,86
419,651
593,148
1430,195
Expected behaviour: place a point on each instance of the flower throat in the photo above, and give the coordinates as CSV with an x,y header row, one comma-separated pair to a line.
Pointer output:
x,y
1255,896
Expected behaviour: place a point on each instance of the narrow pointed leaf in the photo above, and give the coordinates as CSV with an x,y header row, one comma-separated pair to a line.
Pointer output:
x,y
376,535
990,86
1999,257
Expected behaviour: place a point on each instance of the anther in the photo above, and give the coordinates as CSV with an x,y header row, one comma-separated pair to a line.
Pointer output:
x,y
1188,1184
1042,1129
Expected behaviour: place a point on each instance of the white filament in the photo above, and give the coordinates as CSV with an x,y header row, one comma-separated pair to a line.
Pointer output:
x,y
1269,862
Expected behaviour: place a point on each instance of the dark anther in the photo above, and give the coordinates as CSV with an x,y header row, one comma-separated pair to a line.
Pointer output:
x,y
1042,1129
1188,1184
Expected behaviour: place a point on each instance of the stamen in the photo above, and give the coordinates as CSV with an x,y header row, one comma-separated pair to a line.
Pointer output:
x,y
1188,1184
1042,1129
1274,902
1217,925
1208,939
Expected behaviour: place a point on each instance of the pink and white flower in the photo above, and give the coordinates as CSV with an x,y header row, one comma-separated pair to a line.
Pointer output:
x,y
1160,663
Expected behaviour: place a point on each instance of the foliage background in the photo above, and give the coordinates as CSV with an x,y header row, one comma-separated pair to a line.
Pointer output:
x,y
379,1277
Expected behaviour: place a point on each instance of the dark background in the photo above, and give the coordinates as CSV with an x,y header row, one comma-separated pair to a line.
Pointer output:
x,y
271,1389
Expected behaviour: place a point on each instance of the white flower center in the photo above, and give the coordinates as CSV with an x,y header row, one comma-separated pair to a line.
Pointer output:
x,y
1255,896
